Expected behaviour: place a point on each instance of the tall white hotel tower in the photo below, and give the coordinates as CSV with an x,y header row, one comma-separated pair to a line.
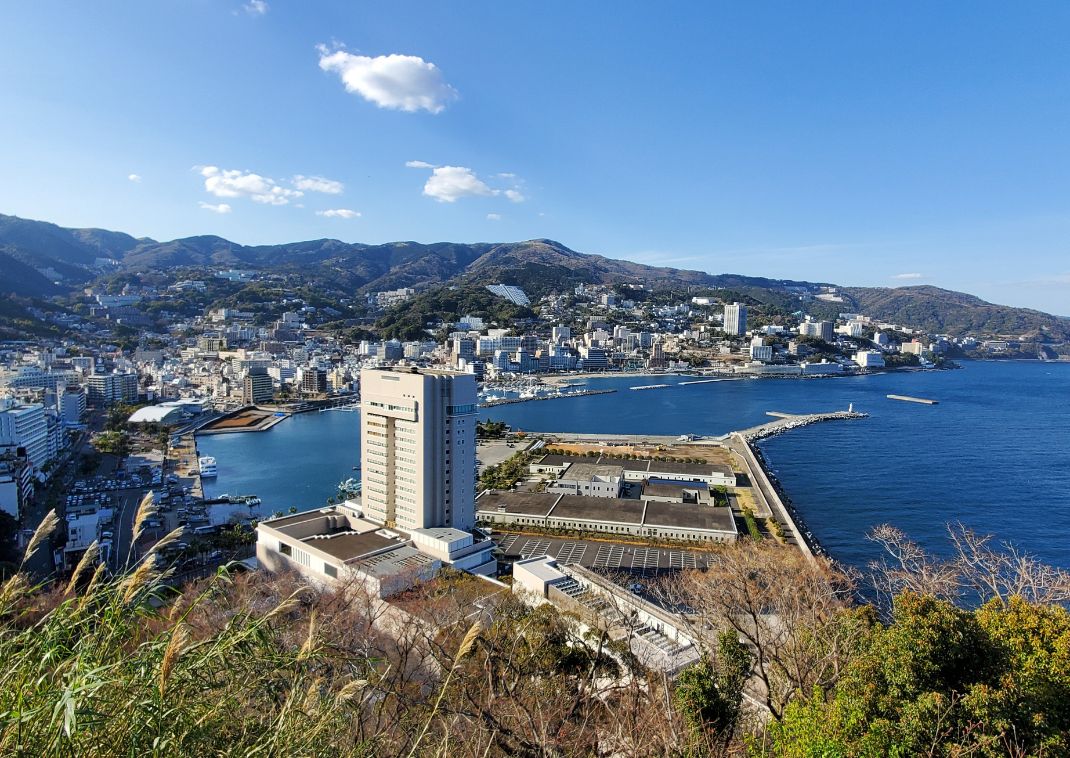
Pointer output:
x,y
418,447
735,319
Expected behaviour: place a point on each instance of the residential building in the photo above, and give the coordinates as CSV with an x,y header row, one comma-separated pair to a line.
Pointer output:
x,y
71,405
25,426
823,330
109,389
257,387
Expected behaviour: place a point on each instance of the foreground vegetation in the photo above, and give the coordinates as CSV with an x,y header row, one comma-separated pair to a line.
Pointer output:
x,y
793,664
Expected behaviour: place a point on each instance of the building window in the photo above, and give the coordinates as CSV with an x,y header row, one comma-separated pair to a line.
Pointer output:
x,y
330,570
286,549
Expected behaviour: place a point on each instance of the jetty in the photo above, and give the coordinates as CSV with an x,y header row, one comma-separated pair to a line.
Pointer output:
x,y
787,421
650,387
558,396
909,399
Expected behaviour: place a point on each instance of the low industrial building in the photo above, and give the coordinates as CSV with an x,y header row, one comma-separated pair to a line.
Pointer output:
x,y
617,516
713,474
337,544
659,639
590,480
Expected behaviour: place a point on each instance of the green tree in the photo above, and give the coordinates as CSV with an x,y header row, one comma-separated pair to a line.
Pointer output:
x,y
709,694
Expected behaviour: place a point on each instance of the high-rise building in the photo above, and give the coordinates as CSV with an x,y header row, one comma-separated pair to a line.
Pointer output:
x,y
418,448
25,426
824,330
257,387
735,319
71,404
108,389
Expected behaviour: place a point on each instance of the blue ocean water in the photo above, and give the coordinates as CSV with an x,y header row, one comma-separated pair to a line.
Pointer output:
x,y
993,454
295,464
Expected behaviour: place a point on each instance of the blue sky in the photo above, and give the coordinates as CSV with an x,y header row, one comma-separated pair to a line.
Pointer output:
x,y
861,143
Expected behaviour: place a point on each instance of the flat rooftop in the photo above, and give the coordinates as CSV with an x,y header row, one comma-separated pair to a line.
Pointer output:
x,y
608,510
586,472
664,467
672,489
348,546
599,509
518,503
690,516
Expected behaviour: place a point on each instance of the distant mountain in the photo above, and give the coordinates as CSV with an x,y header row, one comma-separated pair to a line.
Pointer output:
x,y
948,312
39,259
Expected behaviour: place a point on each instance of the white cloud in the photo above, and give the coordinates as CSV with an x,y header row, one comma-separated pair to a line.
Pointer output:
x,y
221,208
339,213
494,217
448,184
135,178
398,82
231,183
318,184
914,275
256,7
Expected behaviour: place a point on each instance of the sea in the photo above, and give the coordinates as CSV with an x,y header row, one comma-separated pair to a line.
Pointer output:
x,y
993,454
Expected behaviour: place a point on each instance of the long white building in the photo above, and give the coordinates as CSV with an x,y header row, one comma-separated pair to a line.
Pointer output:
x,y
418,448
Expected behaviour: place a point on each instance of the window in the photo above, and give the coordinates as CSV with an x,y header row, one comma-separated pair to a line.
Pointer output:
x,y
286,549
330,570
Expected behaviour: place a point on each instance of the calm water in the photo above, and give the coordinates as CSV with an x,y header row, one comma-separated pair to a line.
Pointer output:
x,y
297,463
994,453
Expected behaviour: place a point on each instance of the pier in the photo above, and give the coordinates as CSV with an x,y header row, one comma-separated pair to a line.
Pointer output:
x,y
512,400
909,399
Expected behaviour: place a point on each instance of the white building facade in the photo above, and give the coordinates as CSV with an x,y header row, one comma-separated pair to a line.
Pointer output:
x,y
418,448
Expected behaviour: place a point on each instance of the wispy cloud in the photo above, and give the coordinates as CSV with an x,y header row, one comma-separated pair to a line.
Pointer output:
x,y
220,208
396,82
339,213
135,178
912,275
256,7
494,217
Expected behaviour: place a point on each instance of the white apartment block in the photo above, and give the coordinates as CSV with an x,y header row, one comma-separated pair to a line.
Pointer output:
x,y
418,448
25,426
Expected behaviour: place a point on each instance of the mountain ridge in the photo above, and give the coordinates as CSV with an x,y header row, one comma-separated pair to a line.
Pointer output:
x,y
43,259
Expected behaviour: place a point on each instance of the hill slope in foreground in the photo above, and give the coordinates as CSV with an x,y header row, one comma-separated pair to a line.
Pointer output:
x,y
42,259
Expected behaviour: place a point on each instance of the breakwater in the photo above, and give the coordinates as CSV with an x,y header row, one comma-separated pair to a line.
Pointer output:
x,y
786,422
514,400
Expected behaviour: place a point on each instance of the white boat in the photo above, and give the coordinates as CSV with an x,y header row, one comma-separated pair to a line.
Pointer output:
x,y
207,466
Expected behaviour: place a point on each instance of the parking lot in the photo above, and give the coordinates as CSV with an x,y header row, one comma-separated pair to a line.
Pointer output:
x,y
601,555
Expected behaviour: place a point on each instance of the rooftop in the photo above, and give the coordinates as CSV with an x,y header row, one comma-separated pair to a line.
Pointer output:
x,y
586,472
599,509
348,546
519,503
690,516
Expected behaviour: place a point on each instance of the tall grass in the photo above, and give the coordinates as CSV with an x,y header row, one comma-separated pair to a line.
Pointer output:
x,y
119,667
